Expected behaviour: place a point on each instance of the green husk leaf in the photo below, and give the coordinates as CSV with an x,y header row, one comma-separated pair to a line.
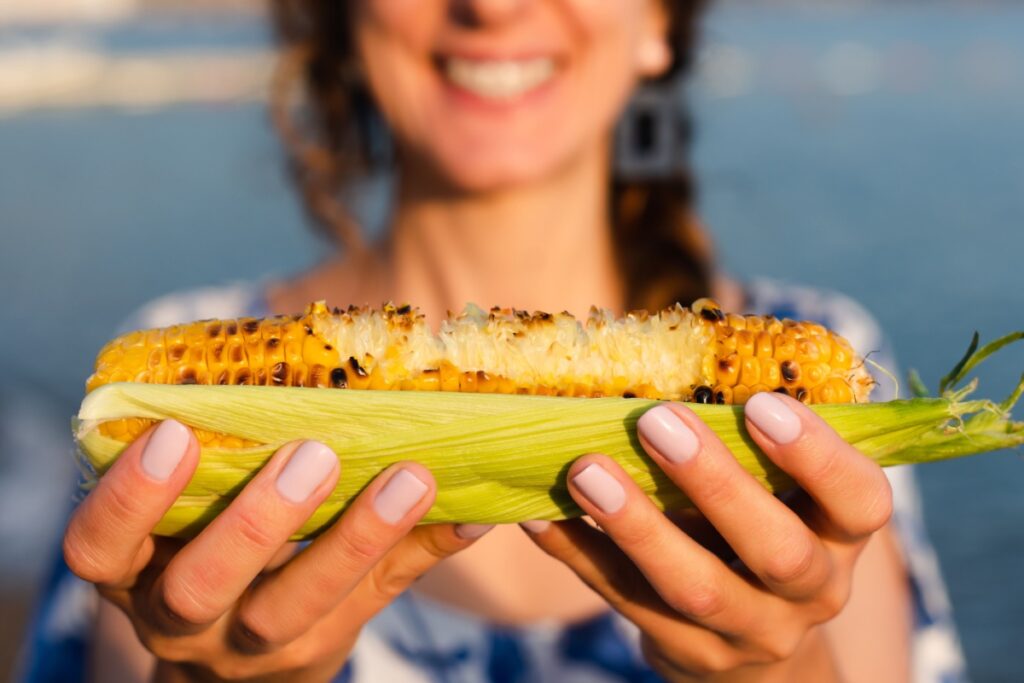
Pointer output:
x,y
917,386
974,357
496,458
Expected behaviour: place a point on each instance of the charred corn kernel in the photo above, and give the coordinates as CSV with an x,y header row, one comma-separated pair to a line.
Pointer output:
x,y
729,369
701,355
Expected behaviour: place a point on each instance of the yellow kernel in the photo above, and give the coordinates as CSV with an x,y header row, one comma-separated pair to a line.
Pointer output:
x,y
770,373
750,371
745,343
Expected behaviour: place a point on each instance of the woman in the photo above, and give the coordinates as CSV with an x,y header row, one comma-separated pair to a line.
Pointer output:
x,y
502,113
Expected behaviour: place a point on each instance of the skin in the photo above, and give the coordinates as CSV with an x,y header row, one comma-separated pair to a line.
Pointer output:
x,y
749,589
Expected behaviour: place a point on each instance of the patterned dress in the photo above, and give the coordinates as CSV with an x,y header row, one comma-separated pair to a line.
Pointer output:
x,y
417,640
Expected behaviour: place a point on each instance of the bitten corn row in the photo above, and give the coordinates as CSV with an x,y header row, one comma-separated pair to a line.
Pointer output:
x,y
698,354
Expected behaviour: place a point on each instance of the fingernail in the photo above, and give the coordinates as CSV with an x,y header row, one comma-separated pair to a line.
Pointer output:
x,y
165,449
601,488
471,531
772,416
536,526
398,496
309,466
669,435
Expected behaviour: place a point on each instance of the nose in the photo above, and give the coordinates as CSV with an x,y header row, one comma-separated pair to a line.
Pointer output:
x,y
483,12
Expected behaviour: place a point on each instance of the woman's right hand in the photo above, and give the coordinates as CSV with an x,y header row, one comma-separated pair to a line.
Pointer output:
x,y
235,602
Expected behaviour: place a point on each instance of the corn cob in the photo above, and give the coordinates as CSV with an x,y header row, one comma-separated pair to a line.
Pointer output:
x,y
699,354
496,458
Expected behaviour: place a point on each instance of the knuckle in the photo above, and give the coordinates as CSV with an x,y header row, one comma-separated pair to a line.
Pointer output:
x,y
162,647
781,645
256,531
820,465
255,634
713,661
832,600
879,509
718,491
435,544
791,562
182,605
125,503
635,535
700,601
81,558
358,549
231,668
385,585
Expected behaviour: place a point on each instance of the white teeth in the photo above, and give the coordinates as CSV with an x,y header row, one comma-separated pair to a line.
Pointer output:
x,y
499,80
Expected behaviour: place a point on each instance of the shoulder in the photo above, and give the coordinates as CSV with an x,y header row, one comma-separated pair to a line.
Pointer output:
x,y
232,300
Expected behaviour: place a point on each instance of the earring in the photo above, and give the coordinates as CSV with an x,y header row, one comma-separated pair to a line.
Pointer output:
x,y
649,140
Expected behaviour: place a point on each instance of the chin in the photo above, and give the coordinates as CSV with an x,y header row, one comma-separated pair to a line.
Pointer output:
x,y
492,170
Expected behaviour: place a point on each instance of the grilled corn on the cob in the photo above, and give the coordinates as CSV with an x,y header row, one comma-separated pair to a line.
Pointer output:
x,y
699,354
496,458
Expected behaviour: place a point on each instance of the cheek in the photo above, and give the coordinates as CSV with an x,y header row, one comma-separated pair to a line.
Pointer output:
x,y
393,39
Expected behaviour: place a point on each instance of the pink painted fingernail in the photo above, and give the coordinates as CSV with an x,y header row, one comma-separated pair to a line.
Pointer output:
x,y
398,496
601,488
471,531
309,466
771,415
669,435
536,526
165,449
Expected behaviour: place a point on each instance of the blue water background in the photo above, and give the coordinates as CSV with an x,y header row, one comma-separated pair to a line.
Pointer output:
x,y
910,200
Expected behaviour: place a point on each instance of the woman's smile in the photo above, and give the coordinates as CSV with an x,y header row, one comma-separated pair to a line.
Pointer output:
x,y
496,80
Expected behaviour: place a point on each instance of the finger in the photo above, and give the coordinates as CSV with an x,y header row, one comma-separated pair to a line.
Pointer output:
x,y
850,489
770,539
210,573
707,592
107,539
603,566
287,603
413,556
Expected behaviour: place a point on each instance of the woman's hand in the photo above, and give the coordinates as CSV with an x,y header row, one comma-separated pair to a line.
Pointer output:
x,y
737,594
236,602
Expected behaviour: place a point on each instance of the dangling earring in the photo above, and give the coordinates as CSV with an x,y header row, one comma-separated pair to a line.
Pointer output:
x,y
649,140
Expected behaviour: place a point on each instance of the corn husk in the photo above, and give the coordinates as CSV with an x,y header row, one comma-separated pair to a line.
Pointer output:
x,y
498,458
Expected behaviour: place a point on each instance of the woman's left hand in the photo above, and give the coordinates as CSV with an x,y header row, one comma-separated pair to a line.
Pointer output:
x,y
736,597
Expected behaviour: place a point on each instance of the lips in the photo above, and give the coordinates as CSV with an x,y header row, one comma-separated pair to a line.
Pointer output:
x,y
500,80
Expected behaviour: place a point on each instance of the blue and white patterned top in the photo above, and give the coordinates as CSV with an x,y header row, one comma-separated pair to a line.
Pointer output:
x,y
416,640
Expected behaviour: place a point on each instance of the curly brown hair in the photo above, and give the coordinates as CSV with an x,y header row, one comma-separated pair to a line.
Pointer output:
x,y
333,139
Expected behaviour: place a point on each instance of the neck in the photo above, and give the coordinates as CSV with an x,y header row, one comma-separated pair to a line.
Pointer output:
x,y
545,245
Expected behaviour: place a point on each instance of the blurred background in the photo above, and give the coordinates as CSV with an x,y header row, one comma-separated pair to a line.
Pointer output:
x,y
876,148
